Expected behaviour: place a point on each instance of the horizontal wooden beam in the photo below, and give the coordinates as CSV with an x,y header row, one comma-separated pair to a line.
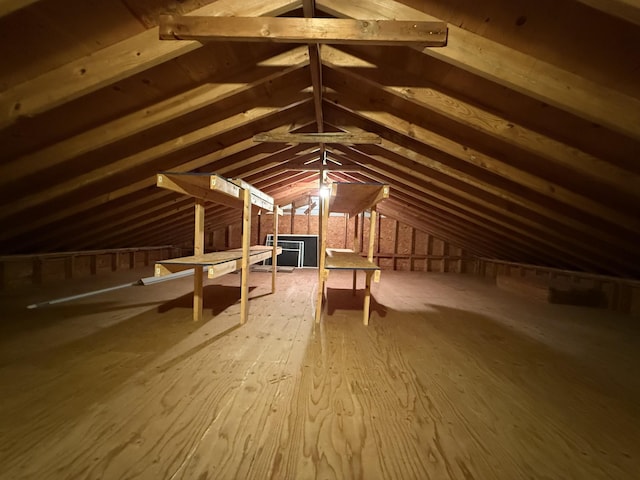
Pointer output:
x,y
210,187
331,165
303,30
328,137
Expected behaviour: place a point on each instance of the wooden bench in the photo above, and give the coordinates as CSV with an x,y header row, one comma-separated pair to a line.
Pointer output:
x,y
352,199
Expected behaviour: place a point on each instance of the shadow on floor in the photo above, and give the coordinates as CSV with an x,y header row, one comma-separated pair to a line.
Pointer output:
x,y
216,298
337,299
67,376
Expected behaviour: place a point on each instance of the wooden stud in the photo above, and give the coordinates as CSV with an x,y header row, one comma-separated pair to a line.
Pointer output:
x,y
413,249
322,274
372,236
367,298
356,249
69,266
372,232
309,214
198,249
37,271
395,243
274,257
246,244
361,233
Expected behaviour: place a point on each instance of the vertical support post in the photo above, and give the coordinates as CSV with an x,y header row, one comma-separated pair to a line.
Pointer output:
x,y
322,253
308,216
246,242
37,270
69,266
396,237
367,298
259,227
198,249
274,256
372,232
367,288
356,249
361,234
413,248
346,230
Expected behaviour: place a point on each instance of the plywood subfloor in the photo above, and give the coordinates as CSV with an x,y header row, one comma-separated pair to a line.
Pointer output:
x,y
452,379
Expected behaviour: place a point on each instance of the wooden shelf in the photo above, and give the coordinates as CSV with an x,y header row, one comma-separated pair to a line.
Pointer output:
x,y
353,198
238,194
218,263
346,259
213,188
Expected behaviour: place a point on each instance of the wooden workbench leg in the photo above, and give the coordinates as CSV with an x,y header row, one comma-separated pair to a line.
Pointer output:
x,y
322,254
246,247
198,249
320,296
367,298
274,256
356,249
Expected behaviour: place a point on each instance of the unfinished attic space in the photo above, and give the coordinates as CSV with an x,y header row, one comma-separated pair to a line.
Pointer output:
x,y
330,239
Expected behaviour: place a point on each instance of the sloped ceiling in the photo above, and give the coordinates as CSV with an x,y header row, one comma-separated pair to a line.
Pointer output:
x,y
519,140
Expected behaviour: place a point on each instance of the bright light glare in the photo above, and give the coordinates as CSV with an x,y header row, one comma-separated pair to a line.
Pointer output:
x,y
324,191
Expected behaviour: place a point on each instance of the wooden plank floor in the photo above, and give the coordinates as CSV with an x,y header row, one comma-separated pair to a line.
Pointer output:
x,y
452,379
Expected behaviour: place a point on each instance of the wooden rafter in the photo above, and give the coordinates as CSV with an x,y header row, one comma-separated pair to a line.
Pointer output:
x,y
533,207
628,10
494,211
415,206
435,100
10,6
477,213
146,118
511,68
136,186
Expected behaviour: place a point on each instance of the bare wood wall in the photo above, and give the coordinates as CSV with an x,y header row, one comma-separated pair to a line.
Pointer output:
x,y
620,294
21,270
397,246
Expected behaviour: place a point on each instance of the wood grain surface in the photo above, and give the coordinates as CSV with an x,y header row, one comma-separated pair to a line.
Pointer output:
x,y
347,259
452,379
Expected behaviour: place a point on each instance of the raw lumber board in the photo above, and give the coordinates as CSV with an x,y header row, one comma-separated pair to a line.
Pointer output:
x,y
345,259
